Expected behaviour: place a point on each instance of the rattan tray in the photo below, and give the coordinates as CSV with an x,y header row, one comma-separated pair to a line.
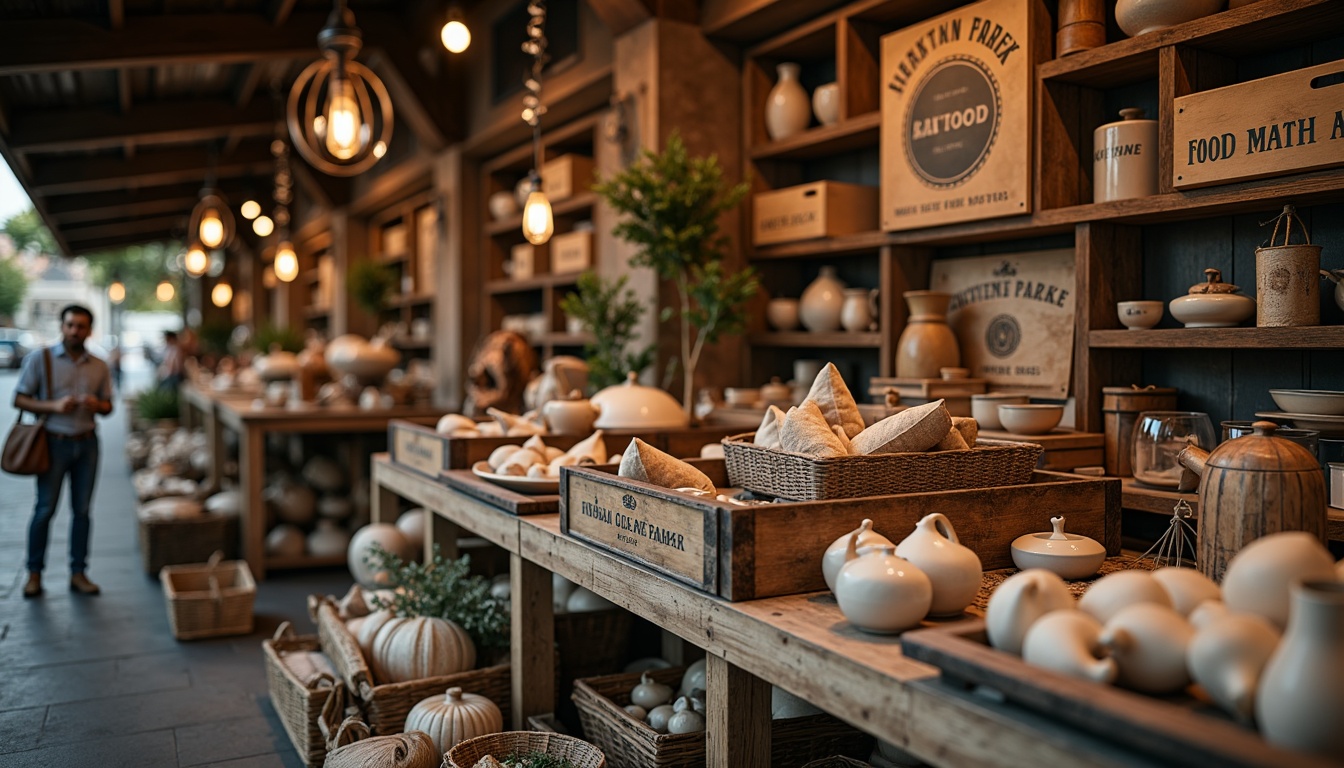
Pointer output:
x,y
209,600
785,475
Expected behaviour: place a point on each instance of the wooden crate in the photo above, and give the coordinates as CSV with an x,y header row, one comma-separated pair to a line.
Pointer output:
x,y
1175,730
1065,449
566,176
745,553
571,252
819,209
429,453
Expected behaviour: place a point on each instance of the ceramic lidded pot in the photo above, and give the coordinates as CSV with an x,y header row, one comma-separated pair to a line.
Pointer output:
x,y
787,108
630,405
1212,304
1124,158
1068,555
881,593
1137,17
927,344
1250,487
822,302
954,569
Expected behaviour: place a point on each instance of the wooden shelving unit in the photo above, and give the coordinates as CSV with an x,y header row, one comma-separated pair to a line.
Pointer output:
x,y
1321,337
403,237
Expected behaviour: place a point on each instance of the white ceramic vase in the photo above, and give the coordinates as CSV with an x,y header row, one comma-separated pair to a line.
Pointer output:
x,y
881,593
826,103
787,108
1302,689
822,302
834,558
856,313
1018,602
954,569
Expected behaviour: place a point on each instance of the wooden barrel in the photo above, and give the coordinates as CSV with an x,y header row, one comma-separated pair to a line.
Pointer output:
x,y
1082,26
1120,408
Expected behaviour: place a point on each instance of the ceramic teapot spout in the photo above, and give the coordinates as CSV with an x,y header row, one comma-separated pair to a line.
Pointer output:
x,y
1335,276
1193,458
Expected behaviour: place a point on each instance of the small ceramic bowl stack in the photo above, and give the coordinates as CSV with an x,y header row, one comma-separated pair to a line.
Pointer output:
x,y
1317,409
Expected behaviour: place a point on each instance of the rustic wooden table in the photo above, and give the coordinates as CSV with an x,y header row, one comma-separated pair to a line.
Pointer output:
x,y
801,643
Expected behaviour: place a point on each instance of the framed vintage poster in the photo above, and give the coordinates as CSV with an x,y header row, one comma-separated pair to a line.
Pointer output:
x,y
956,115
1014,317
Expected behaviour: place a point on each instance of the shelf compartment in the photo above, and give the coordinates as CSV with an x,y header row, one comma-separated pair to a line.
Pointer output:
x,y
560,339
410,300
847,135
582,202
536,282
810,340
1317,337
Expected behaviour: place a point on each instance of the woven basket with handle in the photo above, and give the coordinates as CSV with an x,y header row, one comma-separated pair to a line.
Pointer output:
x,y
209,600
300,706
500,745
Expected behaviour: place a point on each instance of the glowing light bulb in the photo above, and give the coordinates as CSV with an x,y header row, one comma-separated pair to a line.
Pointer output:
x,y
221,294
380,149
196,262
165,291
212,229
286,263
456,37
263,226
538,225
116,292
251,209
343,121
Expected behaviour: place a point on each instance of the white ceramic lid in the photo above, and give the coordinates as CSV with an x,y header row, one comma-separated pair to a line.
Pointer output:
x,y
630,405
1057,543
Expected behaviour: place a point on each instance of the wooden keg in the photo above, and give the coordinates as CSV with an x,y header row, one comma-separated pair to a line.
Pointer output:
x,y
1120,407
1082,26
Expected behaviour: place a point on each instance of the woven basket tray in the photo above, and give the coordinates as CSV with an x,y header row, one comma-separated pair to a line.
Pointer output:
x,y
784,475
632,744
385,706
300,707
186,540
209,600
500,745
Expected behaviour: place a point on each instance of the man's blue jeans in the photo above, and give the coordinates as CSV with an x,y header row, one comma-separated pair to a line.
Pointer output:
x,y
79,460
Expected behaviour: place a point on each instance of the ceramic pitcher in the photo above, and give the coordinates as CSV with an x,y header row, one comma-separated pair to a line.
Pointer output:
x,y
1302,690
927,344
857,312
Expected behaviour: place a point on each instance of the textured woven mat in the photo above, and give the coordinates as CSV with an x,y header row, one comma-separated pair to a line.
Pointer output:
x,y
992,579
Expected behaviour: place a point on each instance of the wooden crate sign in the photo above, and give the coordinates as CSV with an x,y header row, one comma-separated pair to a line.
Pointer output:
x,y
571,252
417,448
819,209
654,527
566,176
956,114
1287,123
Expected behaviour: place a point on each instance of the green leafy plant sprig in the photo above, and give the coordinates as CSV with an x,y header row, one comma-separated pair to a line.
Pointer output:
x,y
443,589
610,316
536,760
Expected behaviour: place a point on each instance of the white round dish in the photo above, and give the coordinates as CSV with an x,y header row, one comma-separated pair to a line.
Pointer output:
x,y
536,486
985,408
1030,419
1068,555
1322,402
1328,426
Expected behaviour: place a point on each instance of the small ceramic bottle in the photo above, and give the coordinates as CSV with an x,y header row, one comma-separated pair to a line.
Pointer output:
x,y
1124,158
1302,689
787,107
856,313
822,302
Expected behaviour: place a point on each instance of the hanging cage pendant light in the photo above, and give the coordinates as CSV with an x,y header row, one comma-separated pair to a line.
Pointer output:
x,y
211,220
339,112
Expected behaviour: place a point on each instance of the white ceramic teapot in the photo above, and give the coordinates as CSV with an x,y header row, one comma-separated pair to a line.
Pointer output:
x,y
572,416
834,559
879,592
954,569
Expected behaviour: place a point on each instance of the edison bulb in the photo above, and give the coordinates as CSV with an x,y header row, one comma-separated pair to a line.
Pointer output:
x,y
165,291
250,209
196,262
116,292
343,121
456,37
538,225
263,226
286,262
221,295
212,228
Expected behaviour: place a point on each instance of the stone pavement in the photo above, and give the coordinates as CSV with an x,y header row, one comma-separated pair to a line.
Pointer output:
x,y
100,681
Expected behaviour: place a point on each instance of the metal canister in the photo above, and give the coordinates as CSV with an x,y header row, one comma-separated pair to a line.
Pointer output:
x,y
1120,407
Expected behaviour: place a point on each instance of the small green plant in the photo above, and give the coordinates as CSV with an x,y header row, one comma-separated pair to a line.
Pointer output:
x,y
370,283
157,404
610,318
289,339
446,590
536,760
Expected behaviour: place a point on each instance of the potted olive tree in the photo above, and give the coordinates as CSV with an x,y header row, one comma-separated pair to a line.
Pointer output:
x,y
671,203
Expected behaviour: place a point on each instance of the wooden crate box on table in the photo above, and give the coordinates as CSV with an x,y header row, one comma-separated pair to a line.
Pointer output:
x,y
757,551
807,211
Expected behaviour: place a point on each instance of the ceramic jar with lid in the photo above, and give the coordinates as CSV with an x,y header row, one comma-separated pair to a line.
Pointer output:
x,y
631,405
1124,158
1212,304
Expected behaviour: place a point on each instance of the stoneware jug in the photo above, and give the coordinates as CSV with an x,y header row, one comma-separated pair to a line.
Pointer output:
x,y
953,568
1227,656
1252,486
857,311
1287,277
927,344
787,108
1302,690
1068,642
879,592
1018,602
822,302
1124,158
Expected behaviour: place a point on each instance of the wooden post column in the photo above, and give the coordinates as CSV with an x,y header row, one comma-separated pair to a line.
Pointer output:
x,y
532,636
737,722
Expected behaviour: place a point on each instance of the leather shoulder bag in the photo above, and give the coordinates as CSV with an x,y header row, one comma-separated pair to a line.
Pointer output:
x,y
26,446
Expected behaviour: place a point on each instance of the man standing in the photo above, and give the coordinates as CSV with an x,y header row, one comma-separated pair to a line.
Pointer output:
x,y
170,368
80,387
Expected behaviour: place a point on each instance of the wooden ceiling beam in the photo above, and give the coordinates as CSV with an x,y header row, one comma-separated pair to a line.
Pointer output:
x,y
140,226
148,169
148,123
104,206
116,13
114,243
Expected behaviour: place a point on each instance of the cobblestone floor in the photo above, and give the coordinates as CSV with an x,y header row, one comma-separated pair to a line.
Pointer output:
x,y
100,681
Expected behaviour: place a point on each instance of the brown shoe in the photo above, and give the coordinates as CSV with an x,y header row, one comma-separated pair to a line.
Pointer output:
x,y
81,584
34,586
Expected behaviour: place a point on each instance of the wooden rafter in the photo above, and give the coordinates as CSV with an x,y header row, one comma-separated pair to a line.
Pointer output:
x,y
104,206
139,226
116,14
150,123
154,168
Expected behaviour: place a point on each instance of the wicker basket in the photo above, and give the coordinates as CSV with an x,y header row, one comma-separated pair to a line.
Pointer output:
x,y
385,706
500,745
209,600
589,643
837,761
990,464
186,540
631,743
301,708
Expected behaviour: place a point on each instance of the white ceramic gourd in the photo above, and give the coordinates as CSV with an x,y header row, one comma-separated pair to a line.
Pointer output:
x,y
453,717
411,523
881,593
1115,591
1259,577
834,559
1067,641
1019,601
1187,588
954,569
384,535
1226,657
694,677
650,693
420,646
1148,642
1302,689
822,302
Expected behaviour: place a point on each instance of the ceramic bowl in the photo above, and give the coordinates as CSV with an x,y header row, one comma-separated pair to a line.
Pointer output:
x,y
952,374
741,395
985,408
1212,310
1139,315
1320,402
1030,419
782,314
1068,555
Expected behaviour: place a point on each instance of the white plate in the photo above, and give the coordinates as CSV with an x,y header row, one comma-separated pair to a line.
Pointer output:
x,y
1328,426
536,486
1318,401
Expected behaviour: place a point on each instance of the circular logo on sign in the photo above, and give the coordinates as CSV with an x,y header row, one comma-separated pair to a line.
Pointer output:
x,y
952,121
1003,336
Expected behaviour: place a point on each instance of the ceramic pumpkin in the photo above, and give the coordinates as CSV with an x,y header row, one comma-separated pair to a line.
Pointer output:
x,y
367,629
455,716
419,647
384,535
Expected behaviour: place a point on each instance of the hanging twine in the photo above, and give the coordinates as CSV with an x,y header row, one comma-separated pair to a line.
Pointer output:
x,y
535,46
